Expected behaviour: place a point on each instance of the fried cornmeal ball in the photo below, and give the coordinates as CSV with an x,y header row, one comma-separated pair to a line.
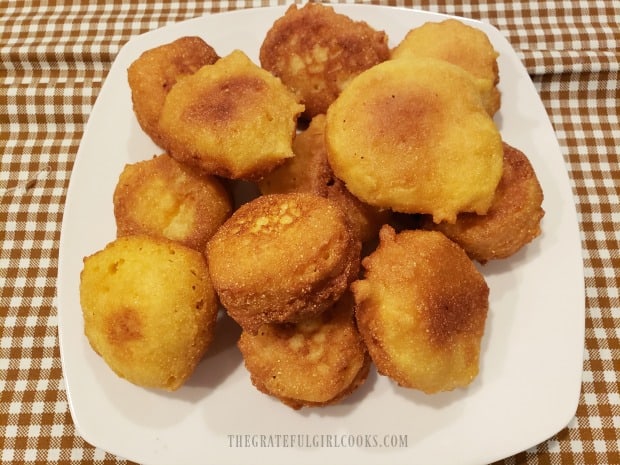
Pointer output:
x,y
231,119
413,136
459,44
315,362
152,75
281,258
421,309
149,309
163,198
513,219
309,171
316,52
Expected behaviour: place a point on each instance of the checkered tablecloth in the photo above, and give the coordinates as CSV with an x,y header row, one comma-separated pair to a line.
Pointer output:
x,y
54,57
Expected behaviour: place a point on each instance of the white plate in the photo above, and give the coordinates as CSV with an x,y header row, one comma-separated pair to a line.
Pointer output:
x,y
530,377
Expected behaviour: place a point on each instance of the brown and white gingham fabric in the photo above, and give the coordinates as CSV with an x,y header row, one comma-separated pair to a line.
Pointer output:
x,y
54,57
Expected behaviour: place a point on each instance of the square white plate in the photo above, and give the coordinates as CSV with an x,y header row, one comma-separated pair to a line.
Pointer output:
x,y
529,383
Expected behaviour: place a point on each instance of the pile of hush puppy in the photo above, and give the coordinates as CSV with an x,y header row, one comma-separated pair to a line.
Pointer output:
x,y
362,155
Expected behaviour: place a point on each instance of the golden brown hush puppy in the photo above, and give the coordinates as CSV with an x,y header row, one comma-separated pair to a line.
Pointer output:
x,y
162,198
461,45
231,119
421,309
281,258
152,75
309,171
513,219
315,362
316,52
149,309
413,136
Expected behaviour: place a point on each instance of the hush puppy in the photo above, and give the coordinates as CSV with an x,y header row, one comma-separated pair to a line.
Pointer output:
x,y
315,362
513,219
421,309
309,171
461,45
231,119
413,136
152,75
316,52
281,258
162,198
149,309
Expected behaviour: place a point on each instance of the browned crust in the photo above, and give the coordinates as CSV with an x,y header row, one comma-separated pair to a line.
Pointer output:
x,y
156,71
513,219
163,198
316,362
282,257
421,309
316,51
309,171
462,45
399,139
230,119
149,309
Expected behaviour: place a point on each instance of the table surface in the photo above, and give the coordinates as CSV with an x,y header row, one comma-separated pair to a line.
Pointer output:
x,y
54,57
